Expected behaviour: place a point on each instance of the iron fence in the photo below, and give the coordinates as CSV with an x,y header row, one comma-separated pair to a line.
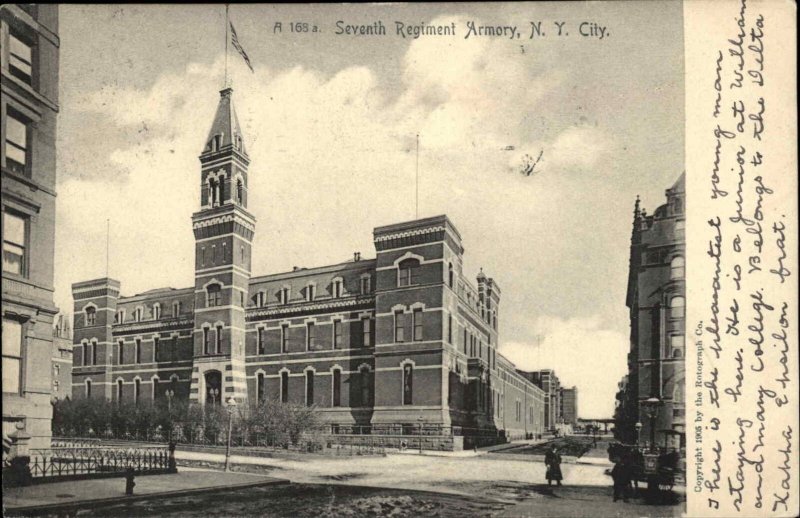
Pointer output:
x,y
72,459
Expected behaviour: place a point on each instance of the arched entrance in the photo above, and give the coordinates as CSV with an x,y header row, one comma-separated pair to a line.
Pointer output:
x,y
213,387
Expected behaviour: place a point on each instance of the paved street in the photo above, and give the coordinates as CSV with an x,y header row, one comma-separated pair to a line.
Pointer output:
x,y
187,481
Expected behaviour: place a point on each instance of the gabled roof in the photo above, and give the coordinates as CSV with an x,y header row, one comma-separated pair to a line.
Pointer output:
x,y
225,124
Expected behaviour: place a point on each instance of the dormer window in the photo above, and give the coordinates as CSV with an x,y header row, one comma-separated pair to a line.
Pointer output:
x,y
310,292
137,314
261,299
284,295
213,295
156,311
337,288
408,272
216,142
176,309
91,316
365,284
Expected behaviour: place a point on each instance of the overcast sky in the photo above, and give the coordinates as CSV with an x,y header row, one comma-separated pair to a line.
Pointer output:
x,y
329,122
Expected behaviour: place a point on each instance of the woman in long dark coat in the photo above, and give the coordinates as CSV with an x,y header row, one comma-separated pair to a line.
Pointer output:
x,y
553,462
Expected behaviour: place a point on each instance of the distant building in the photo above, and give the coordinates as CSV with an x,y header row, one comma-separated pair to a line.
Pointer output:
x,y
547,380
28,110
62,358
376,344
657,303
569,406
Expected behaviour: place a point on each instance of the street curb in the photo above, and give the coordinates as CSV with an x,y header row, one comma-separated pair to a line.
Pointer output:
x,y
37,509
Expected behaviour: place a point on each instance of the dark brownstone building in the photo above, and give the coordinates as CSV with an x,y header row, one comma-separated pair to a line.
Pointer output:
x,y
29,48
656,300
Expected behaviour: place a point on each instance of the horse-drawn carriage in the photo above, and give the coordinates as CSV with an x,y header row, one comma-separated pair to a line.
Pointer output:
x,y
658,468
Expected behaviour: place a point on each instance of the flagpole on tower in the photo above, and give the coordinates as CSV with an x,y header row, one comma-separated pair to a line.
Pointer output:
x,y
227,38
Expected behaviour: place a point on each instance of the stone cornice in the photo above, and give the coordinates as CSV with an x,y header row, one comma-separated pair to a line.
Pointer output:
x,y
153,325
331,305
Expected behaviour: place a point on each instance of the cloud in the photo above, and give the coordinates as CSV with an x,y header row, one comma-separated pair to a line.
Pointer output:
x,y
583,352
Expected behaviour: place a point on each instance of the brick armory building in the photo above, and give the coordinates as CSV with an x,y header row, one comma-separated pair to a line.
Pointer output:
x,y
385,343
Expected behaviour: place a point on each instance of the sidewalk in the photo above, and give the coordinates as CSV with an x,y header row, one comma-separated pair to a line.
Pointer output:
x,y
88,493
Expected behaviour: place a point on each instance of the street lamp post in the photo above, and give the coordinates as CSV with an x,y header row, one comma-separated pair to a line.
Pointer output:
x,y
420,434
231,409
651,406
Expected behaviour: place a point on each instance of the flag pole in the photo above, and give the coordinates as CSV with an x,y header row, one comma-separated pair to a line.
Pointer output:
x,y
227,37
416,202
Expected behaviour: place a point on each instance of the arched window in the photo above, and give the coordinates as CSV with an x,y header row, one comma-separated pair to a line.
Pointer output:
x,y
677,268
261,388
137,314
284,387
337,288
156,311
91,316
309,387
677,307
88,389
336,393
137,390
239,191
284,295
408,383
212,191
407,272
366,386
450,275
213,295
119,391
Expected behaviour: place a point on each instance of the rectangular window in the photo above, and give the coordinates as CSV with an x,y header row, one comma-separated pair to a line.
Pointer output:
x,y
309,388
157,354
366,332
284,338
449,329
120,350
311,336
219,340
337,334
365,285
15,233
261,344
408,384
284,387
206,341
417,325
20,59
337,388
94,353
138,350
260,389
16,143
12,356
176,309
398,327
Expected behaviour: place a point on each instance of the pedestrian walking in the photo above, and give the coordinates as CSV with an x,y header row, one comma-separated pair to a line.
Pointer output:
x,y
621,475
552,460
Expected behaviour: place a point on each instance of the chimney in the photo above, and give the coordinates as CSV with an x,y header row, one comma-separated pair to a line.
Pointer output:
x,y
356,256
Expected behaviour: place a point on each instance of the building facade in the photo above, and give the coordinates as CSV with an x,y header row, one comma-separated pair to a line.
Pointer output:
x,y
28,110
569,406
547,380
62,359
375,343
654,395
